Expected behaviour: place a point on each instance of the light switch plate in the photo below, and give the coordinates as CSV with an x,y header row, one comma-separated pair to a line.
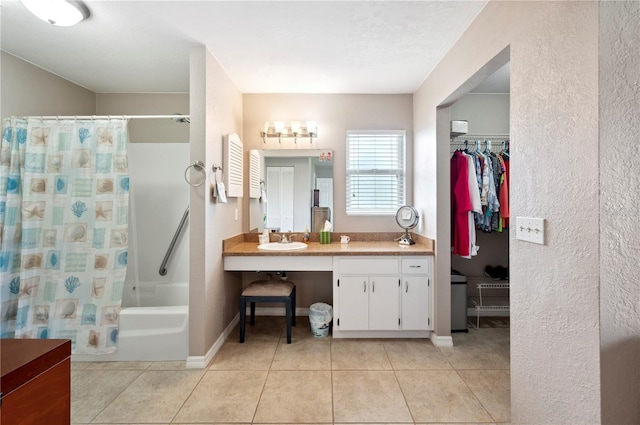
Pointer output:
x,y
530,229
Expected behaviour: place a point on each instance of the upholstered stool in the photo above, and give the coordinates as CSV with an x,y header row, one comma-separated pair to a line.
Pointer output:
x,y
268,291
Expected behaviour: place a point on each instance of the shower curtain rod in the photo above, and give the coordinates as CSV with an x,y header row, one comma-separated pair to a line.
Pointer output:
x,y
105,117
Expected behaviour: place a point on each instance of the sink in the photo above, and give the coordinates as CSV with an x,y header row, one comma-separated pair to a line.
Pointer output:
x,y
277,246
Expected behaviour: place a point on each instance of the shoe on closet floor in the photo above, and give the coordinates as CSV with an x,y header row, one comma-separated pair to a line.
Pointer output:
x,y
497,272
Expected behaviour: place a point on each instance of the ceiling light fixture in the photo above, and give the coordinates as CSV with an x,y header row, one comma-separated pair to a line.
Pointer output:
x,y
63,13
298,129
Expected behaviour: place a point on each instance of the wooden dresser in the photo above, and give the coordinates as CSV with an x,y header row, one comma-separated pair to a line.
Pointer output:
x,y
35,383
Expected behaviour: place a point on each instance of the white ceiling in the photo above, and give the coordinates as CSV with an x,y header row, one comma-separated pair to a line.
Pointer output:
x,y
265,46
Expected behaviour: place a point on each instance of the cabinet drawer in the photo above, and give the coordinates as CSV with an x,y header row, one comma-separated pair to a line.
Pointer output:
x,y
418,265
369,266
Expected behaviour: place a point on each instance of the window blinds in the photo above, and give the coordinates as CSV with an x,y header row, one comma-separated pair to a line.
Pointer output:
x,y
375,172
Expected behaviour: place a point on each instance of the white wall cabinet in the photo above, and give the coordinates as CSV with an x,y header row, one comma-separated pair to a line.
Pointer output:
x,y
382,297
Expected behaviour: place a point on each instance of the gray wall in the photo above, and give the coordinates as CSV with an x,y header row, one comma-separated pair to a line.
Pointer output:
x,y
27,90
335,114
148,130
216,110
553,50
619,211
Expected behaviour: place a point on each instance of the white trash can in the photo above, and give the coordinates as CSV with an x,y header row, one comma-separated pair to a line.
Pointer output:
x,y
320,315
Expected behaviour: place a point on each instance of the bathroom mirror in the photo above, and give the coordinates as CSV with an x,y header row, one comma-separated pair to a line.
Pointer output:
x,y
294,180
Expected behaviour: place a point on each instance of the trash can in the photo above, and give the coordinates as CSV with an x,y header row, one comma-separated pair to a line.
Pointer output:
x,y
458,302
320,315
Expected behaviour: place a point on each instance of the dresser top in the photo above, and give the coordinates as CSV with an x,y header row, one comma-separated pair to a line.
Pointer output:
x,y
24,359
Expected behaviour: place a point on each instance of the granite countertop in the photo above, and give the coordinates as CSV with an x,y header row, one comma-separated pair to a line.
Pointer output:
x,y
246,244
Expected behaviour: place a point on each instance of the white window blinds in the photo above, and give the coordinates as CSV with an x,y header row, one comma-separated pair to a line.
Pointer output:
x,y
375,172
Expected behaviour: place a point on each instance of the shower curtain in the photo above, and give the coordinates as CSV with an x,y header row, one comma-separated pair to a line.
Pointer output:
x,y
64,194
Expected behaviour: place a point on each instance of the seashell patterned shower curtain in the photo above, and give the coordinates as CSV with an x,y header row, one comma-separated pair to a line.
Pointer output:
x,y
64,196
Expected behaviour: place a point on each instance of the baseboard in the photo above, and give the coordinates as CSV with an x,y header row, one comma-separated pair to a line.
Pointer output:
x,y
201,362
337,334
441,341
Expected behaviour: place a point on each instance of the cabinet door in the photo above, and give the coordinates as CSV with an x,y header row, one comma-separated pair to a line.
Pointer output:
x,y
415,303
384,303
354,303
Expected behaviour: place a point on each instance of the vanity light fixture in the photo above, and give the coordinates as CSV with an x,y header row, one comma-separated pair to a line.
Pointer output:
x,y
297,129
63,13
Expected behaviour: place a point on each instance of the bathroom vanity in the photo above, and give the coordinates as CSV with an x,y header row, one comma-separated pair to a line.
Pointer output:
x,y
380,289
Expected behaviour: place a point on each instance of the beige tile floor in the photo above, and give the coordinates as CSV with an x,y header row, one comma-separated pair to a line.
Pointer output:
x,y
310,381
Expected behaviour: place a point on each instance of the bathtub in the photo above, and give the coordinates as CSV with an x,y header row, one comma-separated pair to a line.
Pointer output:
x,y
157,329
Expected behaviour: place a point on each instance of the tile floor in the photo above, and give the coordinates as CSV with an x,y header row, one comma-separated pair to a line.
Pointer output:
x,y
311,381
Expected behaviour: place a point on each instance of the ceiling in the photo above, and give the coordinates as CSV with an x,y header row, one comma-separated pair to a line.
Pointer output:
x,y
264,46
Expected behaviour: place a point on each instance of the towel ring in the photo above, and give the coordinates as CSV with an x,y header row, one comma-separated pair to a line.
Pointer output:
x,y
199,165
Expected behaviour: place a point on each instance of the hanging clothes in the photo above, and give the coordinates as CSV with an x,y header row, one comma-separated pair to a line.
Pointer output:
x,y
504,191
460,204
476,206
479,197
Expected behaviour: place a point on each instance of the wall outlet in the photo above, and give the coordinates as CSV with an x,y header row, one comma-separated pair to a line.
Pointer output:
x,y
530,229
235,214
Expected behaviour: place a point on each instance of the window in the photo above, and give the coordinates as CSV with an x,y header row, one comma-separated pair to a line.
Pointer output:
x,y
376,178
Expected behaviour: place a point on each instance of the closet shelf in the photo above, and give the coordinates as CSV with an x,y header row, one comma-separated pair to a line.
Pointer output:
x,y
490,303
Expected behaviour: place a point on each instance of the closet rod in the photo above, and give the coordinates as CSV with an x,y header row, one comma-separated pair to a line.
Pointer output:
x,y
480,136
106,117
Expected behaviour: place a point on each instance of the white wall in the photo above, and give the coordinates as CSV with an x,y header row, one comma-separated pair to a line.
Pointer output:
x,y
335,114
216,110
553,50
619,211
159,196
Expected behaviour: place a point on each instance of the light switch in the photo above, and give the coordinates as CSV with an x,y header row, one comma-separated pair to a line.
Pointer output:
x,y
530,229
235,214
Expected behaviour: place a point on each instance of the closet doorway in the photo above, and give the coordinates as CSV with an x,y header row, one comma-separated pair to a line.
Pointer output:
x,y
483,151
485,107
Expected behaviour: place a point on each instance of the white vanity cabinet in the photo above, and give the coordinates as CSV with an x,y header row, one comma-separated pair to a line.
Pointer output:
x,y
416,285
368,302
382,296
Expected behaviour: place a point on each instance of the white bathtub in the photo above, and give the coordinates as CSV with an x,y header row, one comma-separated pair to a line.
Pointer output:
x,y
156,331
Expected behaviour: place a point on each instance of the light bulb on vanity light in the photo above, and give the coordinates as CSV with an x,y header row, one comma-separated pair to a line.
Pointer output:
x,y
312,127
278,126
295,127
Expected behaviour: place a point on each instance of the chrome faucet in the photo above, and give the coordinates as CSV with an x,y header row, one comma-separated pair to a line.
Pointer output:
x,y
286,237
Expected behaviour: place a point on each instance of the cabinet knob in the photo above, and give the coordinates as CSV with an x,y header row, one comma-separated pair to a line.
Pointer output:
x,y
364,286
406,286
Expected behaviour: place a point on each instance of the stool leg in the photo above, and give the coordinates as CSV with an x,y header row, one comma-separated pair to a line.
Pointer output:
x,y
288,314
243,317
293,305
252,320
